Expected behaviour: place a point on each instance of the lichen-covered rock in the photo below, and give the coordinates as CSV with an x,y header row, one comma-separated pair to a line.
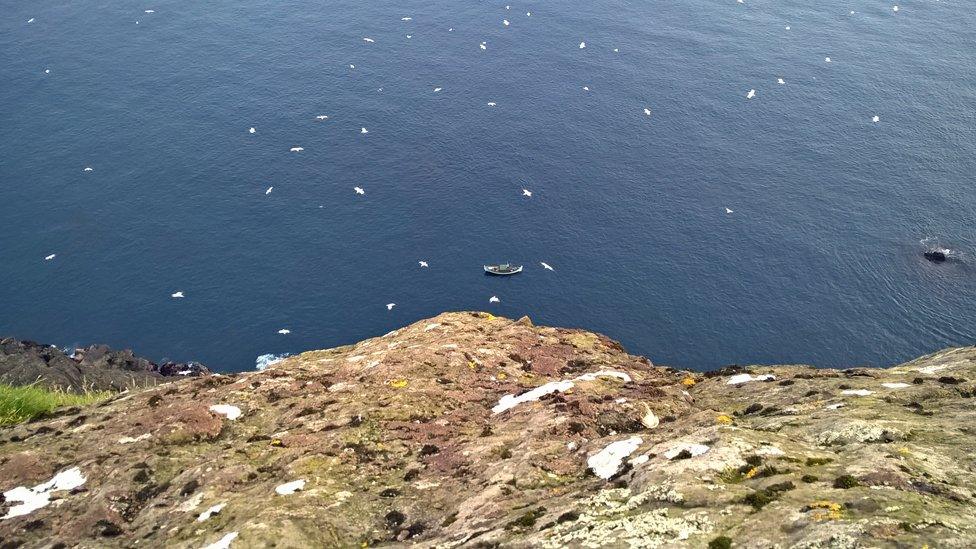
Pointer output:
x,y
401,439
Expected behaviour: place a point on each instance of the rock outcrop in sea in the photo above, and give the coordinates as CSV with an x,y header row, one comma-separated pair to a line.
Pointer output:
x,y
472,430
95,368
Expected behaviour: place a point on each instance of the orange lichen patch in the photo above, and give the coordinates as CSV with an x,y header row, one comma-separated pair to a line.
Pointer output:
x,y
826,510
688,381
723,420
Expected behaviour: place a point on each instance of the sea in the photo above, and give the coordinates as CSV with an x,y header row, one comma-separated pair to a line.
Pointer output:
x,y
719,229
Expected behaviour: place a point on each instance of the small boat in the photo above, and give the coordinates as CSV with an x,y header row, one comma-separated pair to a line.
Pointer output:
x,y
503,269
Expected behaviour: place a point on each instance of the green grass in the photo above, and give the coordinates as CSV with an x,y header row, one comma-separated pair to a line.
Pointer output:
x,y
19,404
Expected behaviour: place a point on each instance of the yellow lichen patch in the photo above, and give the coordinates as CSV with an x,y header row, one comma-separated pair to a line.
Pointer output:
x,y
489,316
826,510
398,383
583,340
904,451
688,381
723,420
502,375
751,472
276,442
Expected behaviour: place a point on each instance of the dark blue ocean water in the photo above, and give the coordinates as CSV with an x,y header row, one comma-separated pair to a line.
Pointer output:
x,y
820,261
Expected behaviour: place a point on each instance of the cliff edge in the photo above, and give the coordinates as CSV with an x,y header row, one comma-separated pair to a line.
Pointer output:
x,y
473,430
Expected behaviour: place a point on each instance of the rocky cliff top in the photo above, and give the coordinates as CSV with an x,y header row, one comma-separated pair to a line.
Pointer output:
x,y
95,368
469,429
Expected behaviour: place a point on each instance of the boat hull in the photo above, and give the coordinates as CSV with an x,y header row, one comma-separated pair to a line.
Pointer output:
x,y
489,269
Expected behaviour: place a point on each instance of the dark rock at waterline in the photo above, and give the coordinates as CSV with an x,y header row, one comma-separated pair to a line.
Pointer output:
x,y
97,367
935,256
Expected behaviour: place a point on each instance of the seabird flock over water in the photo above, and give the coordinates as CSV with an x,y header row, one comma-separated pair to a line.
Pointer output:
x,y
483,46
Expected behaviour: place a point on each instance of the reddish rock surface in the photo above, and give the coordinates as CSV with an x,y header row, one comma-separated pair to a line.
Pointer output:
x,y
397,443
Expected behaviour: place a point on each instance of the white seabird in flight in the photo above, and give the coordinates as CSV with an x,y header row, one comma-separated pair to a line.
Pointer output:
x,y
88,169
50,257
178,295
647,112
423,264
297,149
322,117
728,211
390,306
546,266
359,190
751,94
284,331
363,131
494,299
251,130
267,192
582,45
526,192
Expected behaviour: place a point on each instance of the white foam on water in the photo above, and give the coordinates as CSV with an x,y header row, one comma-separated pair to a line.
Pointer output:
x,y
262,362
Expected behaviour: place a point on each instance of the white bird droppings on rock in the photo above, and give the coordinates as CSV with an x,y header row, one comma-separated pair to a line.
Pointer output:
x,y
29,500
227,410
606,462
895,385
769,450
130,440
739,379
693,449
290,488
510,401
223,543
857,392
215,510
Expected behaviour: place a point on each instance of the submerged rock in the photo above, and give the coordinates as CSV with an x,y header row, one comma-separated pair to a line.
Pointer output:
x,y
399,440
936,256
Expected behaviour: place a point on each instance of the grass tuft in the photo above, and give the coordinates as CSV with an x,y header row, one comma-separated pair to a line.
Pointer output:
x,y
24,403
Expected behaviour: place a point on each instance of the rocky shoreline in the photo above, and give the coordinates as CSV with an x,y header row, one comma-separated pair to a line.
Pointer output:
x,y
472,430
94,368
